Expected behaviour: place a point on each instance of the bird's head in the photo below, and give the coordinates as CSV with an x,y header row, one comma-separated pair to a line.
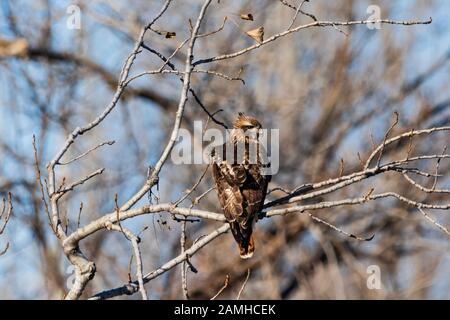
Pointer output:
x,y
245,122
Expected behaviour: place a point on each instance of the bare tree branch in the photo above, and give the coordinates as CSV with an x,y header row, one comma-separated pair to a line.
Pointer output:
x,y
131,288
137,254
306,26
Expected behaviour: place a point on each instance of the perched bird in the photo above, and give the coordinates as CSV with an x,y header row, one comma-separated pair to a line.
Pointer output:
x,y
240,182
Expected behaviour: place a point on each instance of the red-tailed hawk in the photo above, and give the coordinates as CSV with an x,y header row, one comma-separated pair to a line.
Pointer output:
x,y
241,185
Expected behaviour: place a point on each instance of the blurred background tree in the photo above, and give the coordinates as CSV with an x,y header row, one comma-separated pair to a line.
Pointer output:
x,y
331,91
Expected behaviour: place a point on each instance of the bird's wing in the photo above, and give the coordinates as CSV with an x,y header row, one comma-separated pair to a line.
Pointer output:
x,y
241,187
228,188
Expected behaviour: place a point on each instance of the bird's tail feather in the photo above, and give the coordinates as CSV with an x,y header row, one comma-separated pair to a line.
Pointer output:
x,y
246,249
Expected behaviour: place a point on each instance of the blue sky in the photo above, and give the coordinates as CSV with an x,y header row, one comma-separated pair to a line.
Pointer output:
x,y
430,42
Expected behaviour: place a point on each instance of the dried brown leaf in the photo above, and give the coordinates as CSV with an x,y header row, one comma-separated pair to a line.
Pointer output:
x,y
257,34
170,35
12,48
246,16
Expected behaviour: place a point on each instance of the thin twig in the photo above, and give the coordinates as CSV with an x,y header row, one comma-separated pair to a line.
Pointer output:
x,y
79,215
110,143
243,285
297,11
410,146
178,48
215,31
285,191
7,209
190,190
294,8
437,224
117,209
298,191
437,168
350,235
402,136
380,155
221,75
41,186
4,250
424,189
184,285
225,284
73,185
200,197
341,168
